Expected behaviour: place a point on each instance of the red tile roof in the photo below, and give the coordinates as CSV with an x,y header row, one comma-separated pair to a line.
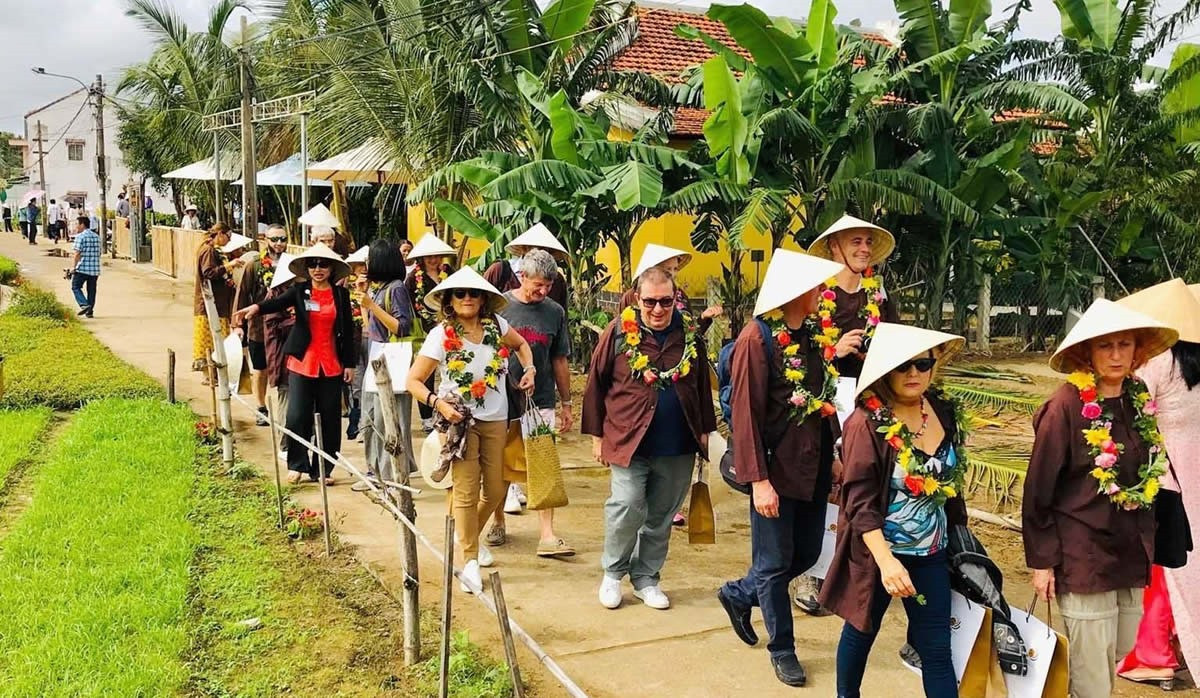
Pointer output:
x,y
689,122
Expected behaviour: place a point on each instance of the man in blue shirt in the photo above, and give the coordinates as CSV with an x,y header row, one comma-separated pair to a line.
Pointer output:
x,y
86,267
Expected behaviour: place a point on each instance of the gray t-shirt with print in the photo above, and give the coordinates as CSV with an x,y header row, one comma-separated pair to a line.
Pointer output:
x,y
544,326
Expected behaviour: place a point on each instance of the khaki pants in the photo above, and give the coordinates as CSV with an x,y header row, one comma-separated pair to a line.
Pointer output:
x,y
482,468
1101,628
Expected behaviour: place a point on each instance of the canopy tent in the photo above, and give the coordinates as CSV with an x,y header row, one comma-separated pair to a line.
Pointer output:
x,y
231,168
285,174
369,162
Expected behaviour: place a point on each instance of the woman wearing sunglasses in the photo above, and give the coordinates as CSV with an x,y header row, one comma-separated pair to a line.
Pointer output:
x,y
321,350
470,348
902,479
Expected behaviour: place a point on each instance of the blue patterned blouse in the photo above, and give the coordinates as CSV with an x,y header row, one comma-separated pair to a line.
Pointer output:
x,y
917,525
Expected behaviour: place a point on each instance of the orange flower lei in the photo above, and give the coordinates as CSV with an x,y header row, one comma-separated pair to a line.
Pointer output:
x,y
802,400
830,332
457,359
418,300
639,363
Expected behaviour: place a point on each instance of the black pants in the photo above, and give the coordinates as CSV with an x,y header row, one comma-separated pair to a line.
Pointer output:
x,y
308,396
8,225
31,232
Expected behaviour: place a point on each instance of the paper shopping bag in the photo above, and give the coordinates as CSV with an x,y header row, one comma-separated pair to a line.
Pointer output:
x,y
1046,650
828,542
399,356
514,454
970,644
702,525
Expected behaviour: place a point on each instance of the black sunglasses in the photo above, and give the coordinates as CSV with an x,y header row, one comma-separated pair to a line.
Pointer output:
x,y
649,303
923,365
461,293
318,264
276,239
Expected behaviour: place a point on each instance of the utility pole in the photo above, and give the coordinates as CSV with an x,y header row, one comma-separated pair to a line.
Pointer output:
x,y
249,166
41,177
102,169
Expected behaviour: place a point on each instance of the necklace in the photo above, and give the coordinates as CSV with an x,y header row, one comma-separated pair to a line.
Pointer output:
x,y
920,479
803,401
830,332
458,358
1105,452
639,363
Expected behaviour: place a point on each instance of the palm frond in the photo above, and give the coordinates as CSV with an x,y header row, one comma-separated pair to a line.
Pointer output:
x,y
993,399
984,371
1052,100
540,175
996,474
697,194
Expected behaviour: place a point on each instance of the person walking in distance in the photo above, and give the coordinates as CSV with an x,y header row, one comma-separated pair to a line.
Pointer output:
x,y
85,269
648,408
7,218
32,214
253,288
122,205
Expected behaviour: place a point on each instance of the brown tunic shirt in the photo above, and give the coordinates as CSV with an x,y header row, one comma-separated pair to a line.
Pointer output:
x,y
848,317
252,290
276,327
424,314
501,275
867,466
761,419
209,267
1092,544
618,407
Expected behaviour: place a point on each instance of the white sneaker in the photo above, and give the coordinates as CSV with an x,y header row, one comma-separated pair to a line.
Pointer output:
x,y
653,597
485,556
471,572
512,501
520,494
610,592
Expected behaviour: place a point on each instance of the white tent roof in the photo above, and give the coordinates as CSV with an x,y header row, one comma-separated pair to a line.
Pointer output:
x,y
285,174
231,168
369,162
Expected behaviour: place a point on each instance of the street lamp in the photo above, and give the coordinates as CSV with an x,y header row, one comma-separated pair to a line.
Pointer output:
x,y
43,71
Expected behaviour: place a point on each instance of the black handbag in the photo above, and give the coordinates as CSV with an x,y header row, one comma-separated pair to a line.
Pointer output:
x,y
1173,537
726,468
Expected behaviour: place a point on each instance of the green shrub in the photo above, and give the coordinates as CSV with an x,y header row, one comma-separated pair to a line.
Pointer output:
x,y
31,301
9,272
22,334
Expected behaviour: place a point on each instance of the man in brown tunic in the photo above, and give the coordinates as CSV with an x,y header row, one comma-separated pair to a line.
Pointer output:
x,y
649,411
252,289
784,451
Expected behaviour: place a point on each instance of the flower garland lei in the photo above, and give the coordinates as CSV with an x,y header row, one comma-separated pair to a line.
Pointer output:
x,y
266,270
639,363
803,401
1105,452
418,301
830,332
920,479
457,359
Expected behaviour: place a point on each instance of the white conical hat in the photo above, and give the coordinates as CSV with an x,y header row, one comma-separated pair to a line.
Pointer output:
x,y
359,256
236,242
233,360
319,215
319,251
283,273
655,255
465,278
1106,317
431,455
1172,304
894,344
537,236
791,275
880,249
1195,289
430,245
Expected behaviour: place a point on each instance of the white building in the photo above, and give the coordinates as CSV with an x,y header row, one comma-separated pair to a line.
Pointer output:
x,y
68,144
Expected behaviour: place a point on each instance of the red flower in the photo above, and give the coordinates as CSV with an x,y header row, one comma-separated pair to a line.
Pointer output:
x,y
267,263
915,485
478,389
827,409
869,272
1088,394
896,442
629,327
503,352
1109,446
873,404
830,353
783,338
826,322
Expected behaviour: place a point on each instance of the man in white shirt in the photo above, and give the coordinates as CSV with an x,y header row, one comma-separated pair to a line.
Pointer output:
x,y
53,220
191,221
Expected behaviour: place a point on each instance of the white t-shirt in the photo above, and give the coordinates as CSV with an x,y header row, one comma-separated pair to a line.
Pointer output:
x,y
53,213
495,402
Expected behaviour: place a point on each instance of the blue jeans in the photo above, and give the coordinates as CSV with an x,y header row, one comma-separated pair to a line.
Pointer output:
x,y
928,630
781,550
78,281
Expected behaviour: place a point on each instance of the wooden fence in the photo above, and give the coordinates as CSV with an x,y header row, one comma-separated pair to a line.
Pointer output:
x,y
173,251
122,237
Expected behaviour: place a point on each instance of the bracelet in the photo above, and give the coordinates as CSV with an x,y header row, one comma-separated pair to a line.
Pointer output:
x,y
529,368
436,400
565,403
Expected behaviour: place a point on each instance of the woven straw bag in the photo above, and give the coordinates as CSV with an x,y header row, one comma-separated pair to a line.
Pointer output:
x,y
544,481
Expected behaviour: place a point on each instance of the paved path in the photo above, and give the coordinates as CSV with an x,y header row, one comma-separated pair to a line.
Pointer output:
x,y
631,652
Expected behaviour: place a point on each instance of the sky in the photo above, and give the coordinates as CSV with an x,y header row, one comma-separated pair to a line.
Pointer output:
x,y
83,37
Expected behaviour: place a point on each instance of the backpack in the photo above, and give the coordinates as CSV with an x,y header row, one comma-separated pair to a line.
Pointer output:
x,y
725,395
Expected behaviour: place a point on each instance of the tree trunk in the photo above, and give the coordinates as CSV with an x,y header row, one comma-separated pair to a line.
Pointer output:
x,y
983,312
937,289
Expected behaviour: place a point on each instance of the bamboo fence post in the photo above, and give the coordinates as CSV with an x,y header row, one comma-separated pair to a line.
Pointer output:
x,y
510,649
447,596
393,444
275,459
171,376
321,465
224,410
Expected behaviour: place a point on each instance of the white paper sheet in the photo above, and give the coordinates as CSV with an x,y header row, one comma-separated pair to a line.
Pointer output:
x,y
399,360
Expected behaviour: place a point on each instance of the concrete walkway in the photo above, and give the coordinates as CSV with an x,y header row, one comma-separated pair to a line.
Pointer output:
x,y
631,652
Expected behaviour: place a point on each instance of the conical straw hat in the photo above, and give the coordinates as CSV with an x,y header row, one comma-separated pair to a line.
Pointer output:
x,y
358,256
894,344
319,251
655,255
430,245
1195,289
1106,317
465,278
236,242
791,275
537,236
881,248
431,454
283,272
1172,304
319,215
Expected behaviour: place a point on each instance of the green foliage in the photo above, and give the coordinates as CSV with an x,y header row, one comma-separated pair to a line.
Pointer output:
x,y
18,433
472,674
9,271
32,302
993,399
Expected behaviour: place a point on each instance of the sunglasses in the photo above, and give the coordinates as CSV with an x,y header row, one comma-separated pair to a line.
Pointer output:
x,y
649,303
276,239
318,264
923,365
461,293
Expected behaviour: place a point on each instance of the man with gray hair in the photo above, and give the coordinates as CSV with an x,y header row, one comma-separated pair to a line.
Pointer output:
x,y
256,281
543,323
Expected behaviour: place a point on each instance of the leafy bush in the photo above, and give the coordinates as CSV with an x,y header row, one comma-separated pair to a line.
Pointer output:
x,y
63,366
9,272
31,301
472,673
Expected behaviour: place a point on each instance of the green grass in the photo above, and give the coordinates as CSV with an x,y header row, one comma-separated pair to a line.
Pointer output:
x,y
18,431
95,571
31,301
9,271
472,673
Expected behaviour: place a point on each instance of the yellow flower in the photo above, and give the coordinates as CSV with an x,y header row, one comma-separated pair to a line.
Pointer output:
x,y
831,282
931,486
776,314
491,381
893,430
831,332
904,457
642,361
870,283
949,491
628,315
1151,488
1100,474
1082,379
633,339
464,389
791,350
685,368
833,371
1097,436
872,309
1142,398
793,375
456,365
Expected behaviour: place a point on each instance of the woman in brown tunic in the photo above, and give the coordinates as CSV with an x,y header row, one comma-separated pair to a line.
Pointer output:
x,y
903,473
1087,513
212,266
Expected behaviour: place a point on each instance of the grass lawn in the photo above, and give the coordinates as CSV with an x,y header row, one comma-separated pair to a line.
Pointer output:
x,y
18,432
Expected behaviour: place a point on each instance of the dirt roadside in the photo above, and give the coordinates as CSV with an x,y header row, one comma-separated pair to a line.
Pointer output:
x,y
633,651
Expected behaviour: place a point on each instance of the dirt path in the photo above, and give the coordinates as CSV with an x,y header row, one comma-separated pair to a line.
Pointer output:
x,y
633,651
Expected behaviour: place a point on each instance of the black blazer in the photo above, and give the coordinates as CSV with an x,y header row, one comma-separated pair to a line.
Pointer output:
x,y
300,336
